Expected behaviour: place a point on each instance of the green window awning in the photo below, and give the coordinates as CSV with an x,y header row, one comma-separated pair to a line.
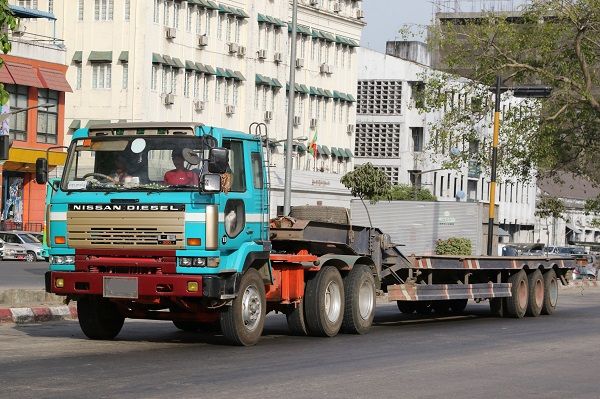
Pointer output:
x,y
276,83
349,153
279,23
304,89
223,9
157,59
325,150
96,122
178,63
321,92
124,57
301,29
75,124
262,18
317,34
190,66
328,36
300,147
230,73
241,13
200,67
209,69
313,91
262,80
335,152
350,98
77,57
328,94
211,4
337,95
238,76
100,56
168,60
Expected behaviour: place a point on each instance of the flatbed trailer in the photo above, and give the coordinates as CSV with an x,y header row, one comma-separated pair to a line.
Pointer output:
x,y
206,256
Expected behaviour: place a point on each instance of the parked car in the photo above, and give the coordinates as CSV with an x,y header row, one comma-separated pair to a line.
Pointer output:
x,y
10,251
33,248
39,236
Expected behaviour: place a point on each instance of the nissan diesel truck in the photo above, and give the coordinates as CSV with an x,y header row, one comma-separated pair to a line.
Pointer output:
x,y
170,221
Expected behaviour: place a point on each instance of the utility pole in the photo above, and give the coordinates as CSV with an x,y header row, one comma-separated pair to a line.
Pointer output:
x,y
287,188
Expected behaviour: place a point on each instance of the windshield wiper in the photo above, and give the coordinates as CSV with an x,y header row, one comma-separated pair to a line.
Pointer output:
x,y
181,186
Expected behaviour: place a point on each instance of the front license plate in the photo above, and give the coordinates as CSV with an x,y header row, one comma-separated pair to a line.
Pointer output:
x,y
120,287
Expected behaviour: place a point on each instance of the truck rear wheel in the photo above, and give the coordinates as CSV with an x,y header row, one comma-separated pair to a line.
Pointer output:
x,y
407,307
516,305
242,322
295,320
359,309
550,292
324,303
535,293
99,318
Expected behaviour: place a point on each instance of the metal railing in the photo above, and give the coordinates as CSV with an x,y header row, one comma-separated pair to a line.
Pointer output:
x,y
6,225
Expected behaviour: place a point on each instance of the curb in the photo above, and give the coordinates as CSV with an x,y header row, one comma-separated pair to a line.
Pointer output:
x,y
37,314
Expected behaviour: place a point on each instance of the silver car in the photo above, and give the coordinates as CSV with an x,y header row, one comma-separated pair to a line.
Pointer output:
x,y
12,251
33,248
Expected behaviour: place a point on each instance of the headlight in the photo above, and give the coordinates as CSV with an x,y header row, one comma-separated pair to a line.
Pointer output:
x,y
9,252
70,259
195,262
185,262
62,260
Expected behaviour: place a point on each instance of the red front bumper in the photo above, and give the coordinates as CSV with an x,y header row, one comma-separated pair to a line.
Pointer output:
x,y
149,285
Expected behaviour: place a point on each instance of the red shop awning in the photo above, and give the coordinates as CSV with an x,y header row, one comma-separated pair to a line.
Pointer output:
x,y
23,74
5,76
54,80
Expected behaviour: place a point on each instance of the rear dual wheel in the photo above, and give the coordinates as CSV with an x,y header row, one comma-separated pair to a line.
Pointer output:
x,y
324,303
516,305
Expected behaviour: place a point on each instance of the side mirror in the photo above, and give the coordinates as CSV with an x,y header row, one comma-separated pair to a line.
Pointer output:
x,y
218,160
4,147
41,171
211,183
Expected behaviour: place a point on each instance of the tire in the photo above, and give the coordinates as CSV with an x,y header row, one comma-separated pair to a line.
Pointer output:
x,y
441,307
497,307
550,292
242,323
423,308
458,305
359,306
327,214
535,299
295,320
30,257
408,307
324,303
516,305
99,318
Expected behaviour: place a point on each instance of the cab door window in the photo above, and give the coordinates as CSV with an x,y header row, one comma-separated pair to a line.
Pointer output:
x,y
236,164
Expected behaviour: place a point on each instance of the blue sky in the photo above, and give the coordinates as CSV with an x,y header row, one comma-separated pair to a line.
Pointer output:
x,y
385,17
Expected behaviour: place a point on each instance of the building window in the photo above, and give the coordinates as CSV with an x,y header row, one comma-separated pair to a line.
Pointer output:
x,y
417,137
154,78
47,120
377,140
155,18
80,10
176,15
220,20
101,76
127,10
199,15
103,10
166,13
256,97
392,173
207,24
78,72
125,76
174,73
379,97
186,84
188,19
17,122
205,88
165,79
218,90
51,6
236,88
32,4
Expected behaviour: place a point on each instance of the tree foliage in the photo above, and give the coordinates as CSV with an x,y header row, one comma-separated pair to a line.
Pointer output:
x,y
7,21
547,206
453,246
367,182
405,192
553,42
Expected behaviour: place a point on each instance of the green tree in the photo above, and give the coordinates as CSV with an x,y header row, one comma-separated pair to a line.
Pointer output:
x,y
550,207
453,246
367,182
406,192
553,42
7,21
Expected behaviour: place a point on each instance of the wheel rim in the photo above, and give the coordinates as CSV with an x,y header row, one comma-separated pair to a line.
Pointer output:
x,y
553,288
539,292
30,257
522,293
251,308
365,300
333,301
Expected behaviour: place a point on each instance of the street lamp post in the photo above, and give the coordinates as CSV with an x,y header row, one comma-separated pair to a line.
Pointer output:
x,y
521,92
287,188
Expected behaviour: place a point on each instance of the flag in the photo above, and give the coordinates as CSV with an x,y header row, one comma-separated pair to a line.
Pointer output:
x,y
312,146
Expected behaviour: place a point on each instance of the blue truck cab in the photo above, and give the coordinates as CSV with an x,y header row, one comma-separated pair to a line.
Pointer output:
x,y
154,216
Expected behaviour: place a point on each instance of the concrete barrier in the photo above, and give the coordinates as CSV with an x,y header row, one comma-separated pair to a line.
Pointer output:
x,y
37,314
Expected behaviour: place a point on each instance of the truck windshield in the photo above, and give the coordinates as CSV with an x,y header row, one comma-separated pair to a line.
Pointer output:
x,y
134,163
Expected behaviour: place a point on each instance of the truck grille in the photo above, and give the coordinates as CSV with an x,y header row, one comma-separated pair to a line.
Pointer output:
x,y
139,230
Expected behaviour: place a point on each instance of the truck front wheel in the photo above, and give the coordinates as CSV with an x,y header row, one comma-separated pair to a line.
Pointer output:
x,y
359,291
324,303
99,318
242,322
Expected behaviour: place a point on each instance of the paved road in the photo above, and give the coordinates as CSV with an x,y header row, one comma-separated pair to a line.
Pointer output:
x,y
21,274
469,356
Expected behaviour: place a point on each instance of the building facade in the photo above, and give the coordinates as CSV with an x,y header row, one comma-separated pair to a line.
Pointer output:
x,y
34,76
224,64
394,136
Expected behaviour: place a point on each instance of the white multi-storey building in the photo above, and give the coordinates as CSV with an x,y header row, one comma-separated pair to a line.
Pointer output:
x,y
224,64
393,135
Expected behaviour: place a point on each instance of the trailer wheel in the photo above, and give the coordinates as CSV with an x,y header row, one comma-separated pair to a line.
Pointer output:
x,y
441,307
407,307
295,320
423,307
359,309
550,292
535,293
99,318
516,305
458,305
242,322
324,303
497,307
